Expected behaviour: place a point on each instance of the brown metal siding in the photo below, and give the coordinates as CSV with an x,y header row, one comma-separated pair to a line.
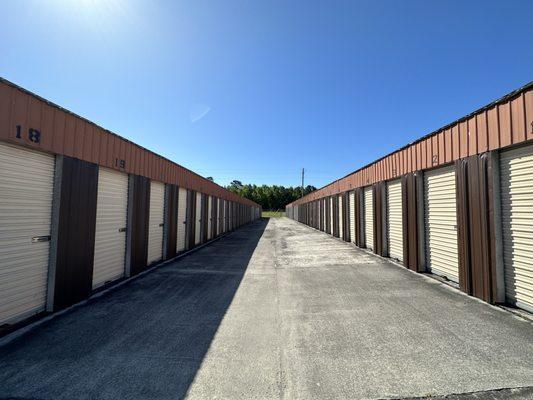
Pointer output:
x,y
346,217
140,212
327,216
379,215
503,123
410,190
335,216
320,215
62,132
191,218
171,220
76,232
475,227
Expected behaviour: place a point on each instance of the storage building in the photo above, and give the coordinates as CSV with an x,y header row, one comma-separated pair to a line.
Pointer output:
x,y
457,203
82,208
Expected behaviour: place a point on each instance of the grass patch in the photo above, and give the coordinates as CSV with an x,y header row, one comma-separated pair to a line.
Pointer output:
x,y
272,214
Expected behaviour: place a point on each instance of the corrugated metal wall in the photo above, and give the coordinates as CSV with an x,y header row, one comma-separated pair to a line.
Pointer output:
x,y
29,120
502,123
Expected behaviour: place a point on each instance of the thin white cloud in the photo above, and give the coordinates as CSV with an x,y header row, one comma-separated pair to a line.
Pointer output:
x,y
198,111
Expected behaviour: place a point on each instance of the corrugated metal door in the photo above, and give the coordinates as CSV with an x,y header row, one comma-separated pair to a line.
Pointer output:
x,y
224,216
516,169
341,218
111,217
230,215
351,210
209,216
155,222
198,226
182,219
220,216
26,190
441,223
369,217
394,219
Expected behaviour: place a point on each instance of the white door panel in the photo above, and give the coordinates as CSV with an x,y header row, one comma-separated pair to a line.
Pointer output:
x,y
394,219
441,223
26,191
155,222
111,217
516,177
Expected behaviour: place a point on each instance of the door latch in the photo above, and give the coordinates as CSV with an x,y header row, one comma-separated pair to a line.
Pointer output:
x,y
122,230
39,239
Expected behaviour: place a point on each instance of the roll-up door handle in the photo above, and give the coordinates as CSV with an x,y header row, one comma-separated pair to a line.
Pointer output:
x,y
122,229
163,224
39,239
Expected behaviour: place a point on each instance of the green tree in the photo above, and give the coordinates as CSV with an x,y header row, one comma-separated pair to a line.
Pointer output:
x,y
272,197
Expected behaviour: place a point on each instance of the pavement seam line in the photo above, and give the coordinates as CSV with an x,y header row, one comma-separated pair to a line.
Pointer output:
x,y
282,382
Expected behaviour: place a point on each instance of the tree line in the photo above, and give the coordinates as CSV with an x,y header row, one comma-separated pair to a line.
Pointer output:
x,y
271,198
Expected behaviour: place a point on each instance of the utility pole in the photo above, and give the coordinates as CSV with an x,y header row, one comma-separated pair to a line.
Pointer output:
x,y
303,172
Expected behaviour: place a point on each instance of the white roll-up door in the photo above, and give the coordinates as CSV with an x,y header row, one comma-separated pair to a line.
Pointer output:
x,y
369,217
230,215
209,216
341,216
219,217
224,216
111,217
155,222
182,219
26,190
394,219
198,227
441,223
516,177
352,215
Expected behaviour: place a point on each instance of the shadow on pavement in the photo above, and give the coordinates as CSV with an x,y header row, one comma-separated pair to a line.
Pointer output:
x,y
146,340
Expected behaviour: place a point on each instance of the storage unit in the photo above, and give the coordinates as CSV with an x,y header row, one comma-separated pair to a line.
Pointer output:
x,y
351,210
394,219
198,225
209,216
111,218
26,191
516,181
230,216
341,218
369,217
441,223
182,220
155,222
225,216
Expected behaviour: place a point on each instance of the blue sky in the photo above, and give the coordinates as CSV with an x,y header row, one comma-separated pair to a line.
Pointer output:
x,y
254,90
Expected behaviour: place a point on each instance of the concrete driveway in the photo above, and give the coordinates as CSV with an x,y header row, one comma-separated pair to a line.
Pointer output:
x,y
275,310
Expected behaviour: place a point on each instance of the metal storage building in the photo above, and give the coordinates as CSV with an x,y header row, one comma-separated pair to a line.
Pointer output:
x,y
81,207
457,203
